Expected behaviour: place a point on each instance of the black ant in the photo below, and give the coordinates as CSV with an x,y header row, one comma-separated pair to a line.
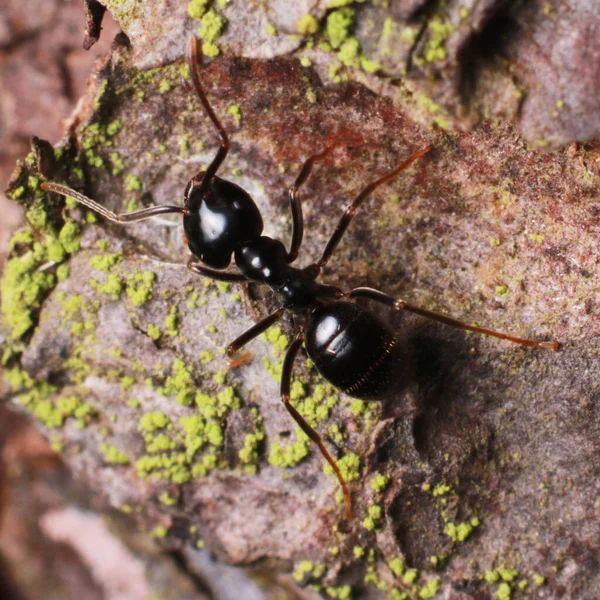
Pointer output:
x,y
349,346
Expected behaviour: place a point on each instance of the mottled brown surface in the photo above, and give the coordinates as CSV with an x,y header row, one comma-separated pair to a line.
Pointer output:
x,y
483,228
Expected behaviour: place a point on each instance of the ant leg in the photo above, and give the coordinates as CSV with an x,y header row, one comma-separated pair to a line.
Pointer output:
x,y
200,269
249,335
286,376
335,239
193,62
138,215
364,292
296,206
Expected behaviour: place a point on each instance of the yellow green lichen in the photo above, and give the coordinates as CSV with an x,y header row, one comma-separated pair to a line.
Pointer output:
x,y
106,262
461,531
166,499
379,482
197,8
153,332
349,466
343,592
410,576
133,183
503,592
373,521
140,286
307,25
113,286
430,589
211,25
113,455
438,32
152,421
289,455
397,566
338,26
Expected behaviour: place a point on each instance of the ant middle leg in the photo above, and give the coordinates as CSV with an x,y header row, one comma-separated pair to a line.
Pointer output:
x,y
286,378
138,215
201,269
348,215
365,292
193,59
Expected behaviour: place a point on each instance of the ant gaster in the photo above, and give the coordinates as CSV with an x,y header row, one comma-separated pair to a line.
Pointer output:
x,y
349,346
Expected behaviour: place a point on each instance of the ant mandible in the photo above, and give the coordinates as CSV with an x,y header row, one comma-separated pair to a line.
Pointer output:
x,y
349,346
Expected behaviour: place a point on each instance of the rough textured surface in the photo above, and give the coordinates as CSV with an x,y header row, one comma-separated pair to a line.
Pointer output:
x,y
491,450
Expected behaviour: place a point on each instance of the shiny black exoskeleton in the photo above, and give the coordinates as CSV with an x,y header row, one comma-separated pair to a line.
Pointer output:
x,y
348,345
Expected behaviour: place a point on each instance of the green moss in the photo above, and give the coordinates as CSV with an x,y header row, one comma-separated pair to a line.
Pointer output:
x,y
113,455
307,25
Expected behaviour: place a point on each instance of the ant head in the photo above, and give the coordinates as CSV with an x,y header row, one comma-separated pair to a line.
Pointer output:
x,y
221,216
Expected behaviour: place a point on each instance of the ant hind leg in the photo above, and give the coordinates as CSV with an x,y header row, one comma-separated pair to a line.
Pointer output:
x,y
286,377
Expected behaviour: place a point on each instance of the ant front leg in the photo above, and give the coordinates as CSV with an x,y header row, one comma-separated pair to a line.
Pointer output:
x,y
249,335
296,205
193,63
348,215
286,377
364,292
138,215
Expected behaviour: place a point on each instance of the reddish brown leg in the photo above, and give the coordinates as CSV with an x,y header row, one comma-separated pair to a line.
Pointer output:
x,y
193,58
347,217
296,206
200,269
364,292
286,377
249,335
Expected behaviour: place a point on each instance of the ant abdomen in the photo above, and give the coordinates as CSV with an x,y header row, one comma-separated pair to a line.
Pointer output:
x,y
354,350
220,217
